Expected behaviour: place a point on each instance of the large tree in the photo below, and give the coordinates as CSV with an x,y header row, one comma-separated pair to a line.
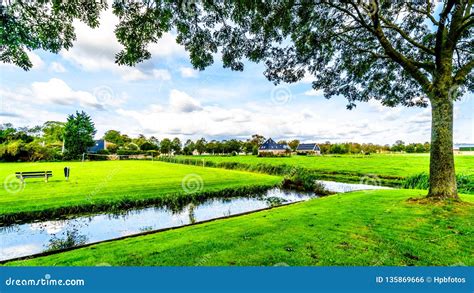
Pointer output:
x,y
399,52
79,134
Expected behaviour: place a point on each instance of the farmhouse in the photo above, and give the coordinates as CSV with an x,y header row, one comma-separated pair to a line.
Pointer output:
x,y
270,146
308,148
99,145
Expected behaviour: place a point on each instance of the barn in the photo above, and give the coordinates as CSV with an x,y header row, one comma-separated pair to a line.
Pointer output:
x,y
270,146
308,149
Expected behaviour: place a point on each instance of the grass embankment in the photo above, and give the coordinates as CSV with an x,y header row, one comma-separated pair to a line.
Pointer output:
x,y
378,227
378,169
111,185
389,165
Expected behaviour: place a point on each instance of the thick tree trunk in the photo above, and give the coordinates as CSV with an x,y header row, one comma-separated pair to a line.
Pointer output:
x,y
442,174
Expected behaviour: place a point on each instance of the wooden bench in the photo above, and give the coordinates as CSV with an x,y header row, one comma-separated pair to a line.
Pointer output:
x,y
35,174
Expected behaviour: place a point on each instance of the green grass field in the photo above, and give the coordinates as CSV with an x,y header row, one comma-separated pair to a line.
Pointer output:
x,y
372,228
382,165
94,183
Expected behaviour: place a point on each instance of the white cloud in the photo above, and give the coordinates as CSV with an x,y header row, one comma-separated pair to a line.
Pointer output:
x,y
134,74
161,74
188,72
57,91
308,78
186,117
21,108
57,67
313,92
182,102
95,49
35,60
41,95
423,117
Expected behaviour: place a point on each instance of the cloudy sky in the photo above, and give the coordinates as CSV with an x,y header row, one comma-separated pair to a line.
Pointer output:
x,y
165,97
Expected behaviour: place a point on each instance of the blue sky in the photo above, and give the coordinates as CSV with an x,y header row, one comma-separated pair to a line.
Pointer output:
x,y
165,97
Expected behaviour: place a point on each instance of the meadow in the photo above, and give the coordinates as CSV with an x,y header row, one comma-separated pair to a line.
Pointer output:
x,y
397,227
365,228
381,165
99,186
395,170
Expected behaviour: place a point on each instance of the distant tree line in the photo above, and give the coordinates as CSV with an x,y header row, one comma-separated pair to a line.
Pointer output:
x,y
367,148
118,143
55,141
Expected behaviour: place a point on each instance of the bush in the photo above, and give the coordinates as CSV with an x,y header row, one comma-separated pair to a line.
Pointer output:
x,y
112,147
129,152
303,180
103,152
465,183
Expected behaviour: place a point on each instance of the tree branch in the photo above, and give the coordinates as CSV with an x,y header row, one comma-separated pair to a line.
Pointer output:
x,y
393,26
404,61
427,12
456,27
359,19
441,31
462,73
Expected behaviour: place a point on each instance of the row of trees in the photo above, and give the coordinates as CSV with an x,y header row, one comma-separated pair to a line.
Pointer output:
x,y
367,148
58,140
48,142
121,144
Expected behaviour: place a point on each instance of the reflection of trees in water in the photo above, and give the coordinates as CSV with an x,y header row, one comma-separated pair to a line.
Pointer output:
x,y
275,201
67,239
192,216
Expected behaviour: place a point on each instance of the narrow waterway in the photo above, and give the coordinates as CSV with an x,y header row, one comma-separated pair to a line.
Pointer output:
x,y
31,238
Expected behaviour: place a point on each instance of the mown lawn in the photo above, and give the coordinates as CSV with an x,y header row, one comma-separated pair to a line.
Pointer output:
x,y
112,181
383,165
373,228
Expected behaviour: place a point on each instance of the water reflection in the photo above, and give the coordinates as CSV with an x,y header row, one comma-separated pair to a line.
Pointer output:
x,y
348,187
26,239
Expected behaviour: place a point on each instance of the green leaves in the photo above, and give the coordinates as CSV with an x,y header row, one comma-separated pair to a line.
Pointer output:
x,y
47,25
79,134
386,51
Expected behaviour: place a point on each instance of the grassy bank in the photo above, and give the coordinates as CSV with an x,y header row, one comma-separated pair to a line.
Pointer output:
x,y
373,228
382,165
110,185
379,169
